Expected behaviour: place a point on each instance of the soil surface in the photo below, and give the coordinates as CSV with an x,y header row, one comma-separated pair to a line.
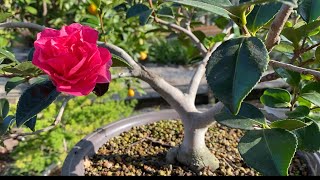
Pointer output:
x,y
142,150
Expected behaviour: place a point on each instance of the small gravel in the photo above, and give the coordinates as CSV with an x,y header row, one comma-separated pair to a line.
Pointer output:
x,y
142,150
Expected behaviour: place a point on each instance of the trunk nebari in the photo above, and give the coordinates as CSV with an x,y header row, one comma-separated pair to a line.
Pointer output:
x,y
193,151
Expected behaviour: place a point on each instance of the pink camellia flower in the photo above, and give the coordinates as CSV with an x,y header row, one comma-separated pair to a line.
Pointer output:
x,y
71,58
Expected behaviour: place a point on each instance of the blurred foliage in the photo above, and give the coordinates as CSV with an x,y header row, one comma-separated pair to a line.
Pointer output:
x,y
82,116
176,52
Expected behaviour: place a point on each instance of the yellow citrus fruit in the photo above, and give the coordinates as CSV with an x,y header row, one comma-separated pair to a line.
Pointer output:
x,y
130,92
141,42
93,9
143,55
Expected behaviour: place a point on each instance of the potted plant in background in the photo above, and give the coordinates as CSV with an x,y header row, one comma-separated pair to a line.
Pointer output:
x,y
232,66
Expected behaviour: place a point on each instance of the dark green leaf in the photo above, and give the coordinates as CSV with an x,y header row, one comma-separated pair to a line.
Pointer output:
x,y
284,47
298,112
4,108
315,115
208,5
13,82
235,68
242,8
31,10
291,34
200,35
211,40
119,62
30,54
276,98
311,93
165,11
4,16
248,117
5,124
9,55
136,10
288,124
309,29
308,137
143,19
24,69
291,77
33,100
309,10
303,102
261,15
140,10
317,53
255,2
269,151
31,123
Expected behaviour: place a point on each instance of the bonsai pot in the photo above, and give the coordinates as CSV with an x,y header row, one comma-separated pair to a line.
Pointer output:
x,y
88,146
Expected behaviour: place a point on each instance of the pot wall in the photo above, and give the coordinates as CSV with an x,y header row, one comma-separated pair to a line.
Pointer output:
x,y
88,146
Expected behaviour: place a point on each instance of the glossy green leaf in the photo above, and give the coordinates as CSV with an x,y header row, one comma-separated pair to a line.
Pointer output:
x,y
208,5
315,115
119,62
5,124
13,82
211,40
30,54
309,10
4,108
284,47
34,99
4,16
303,102
311,93
269,151
276,98
308,137
299,112
140,10
309,29
31,123
24,69
291,77
9,55
288,124
31,10
291,34
235,68
165,11
261,15
248,118
242,8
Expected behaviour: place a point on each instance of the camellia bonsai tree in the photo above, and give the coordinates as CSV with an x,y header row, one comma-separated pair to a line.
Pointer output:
x,y
76,65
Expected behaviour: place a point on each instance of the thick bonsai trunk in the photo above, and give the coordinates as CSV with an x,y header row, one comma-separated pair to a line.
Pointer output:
x,y
193,151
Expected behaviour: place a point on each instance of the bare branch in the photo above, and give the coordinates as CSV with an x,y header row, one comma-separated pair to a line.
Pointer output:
x,y
269,77
53,125
196,79
22,25
207,117
171,94
291,67
121,53
122,75
176,27
277,26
